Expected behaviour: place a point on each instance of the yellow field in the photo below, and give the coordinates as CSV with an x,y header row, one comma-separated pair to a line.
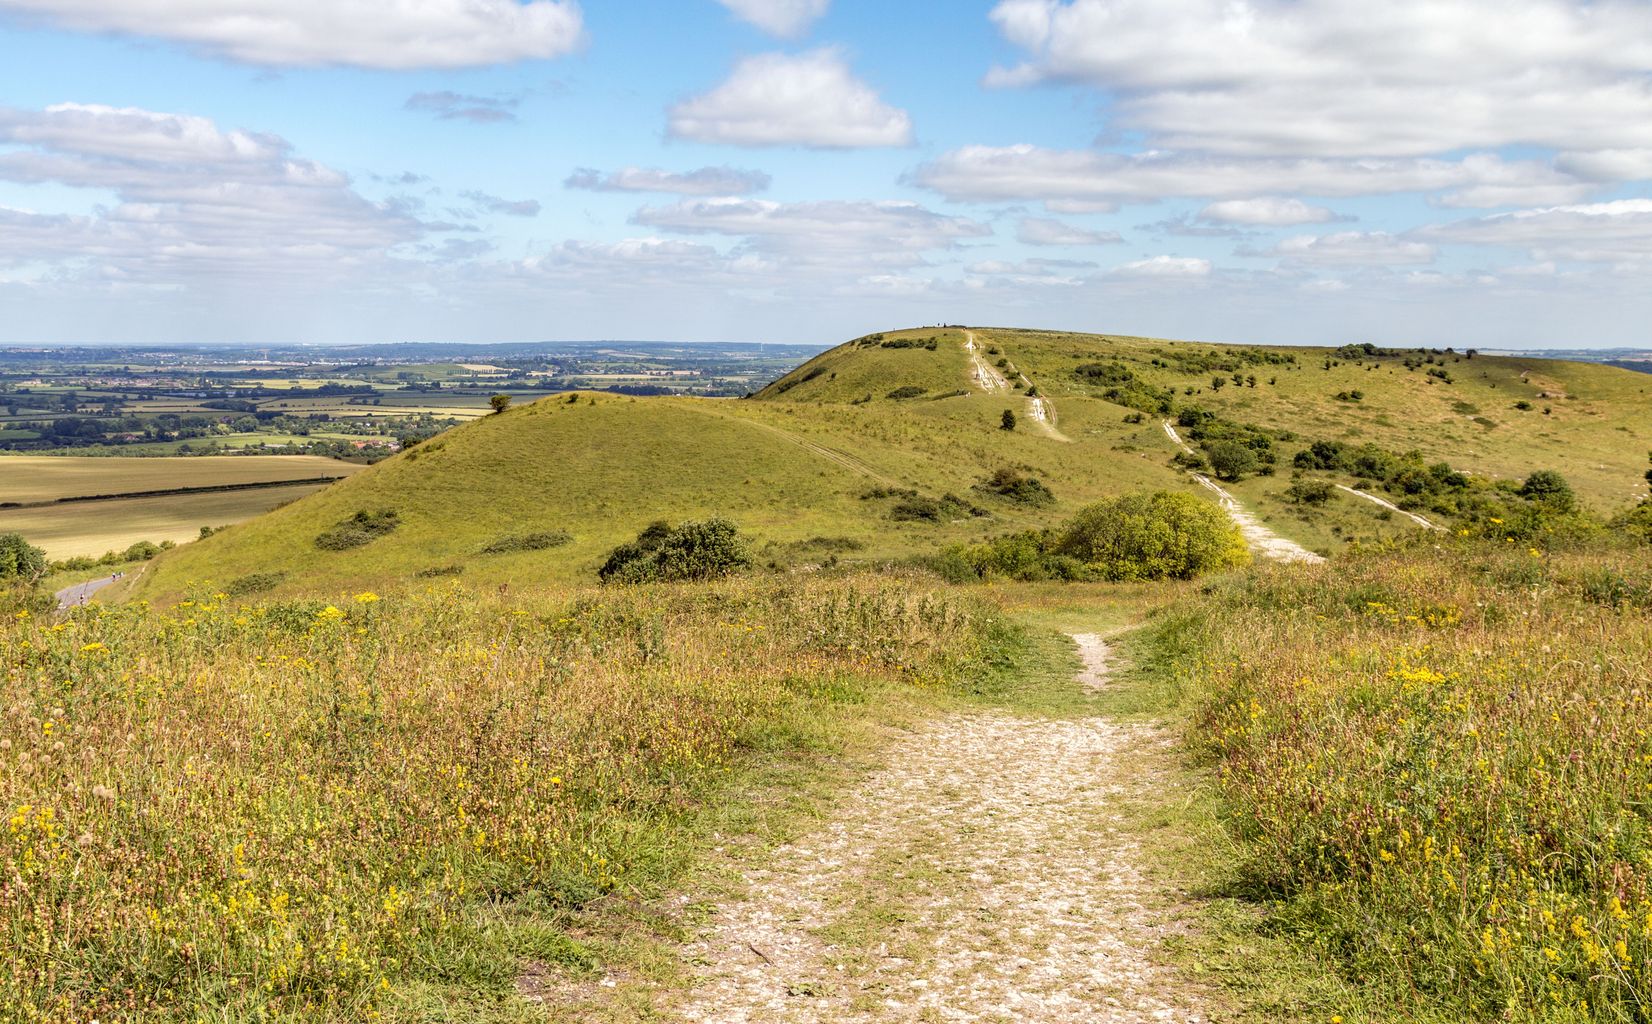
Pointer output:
x,y
94,527
48,477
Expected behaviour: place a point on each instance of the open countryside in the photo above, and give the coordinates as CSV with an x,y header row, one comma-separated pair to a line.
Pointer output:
x,y
826,512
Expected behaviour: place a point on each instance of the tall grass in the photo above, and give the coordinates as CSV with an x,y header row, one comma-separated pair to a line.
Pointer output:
x,y
1441,761
292,811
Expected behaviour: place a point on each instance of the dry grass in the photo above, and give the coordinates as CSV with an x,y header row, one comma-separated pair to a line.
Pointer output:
x,y
309,812
1440,761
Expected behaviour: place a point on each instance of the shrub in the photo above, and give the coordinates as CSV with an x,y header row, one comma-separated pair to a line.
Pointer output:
x,y
19,559
1309,492
1153,536
1636,523
905,391
1019,487
254,583
437,571
1007,421
362,528
499,403
527,542
921,508
693,550
1551,488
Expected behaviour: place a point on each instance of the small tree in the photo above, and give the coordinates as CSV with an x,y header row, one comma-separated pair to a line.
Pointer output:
x,y
19,559
1007,421
500,402
1231,460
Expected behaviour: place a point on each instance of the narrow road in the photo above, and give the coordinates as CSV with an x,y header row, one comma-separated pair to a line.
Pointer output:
x,y
1041,411
1261,539
80,593
987,873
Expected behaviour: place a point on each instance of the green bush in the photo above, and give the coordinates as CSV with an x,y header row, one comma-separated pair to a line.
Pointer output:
x,y
362,528
1309,492
905,391
1021,488
922,508
1636,523
19,559
527,542
254,583
1153,536
693,550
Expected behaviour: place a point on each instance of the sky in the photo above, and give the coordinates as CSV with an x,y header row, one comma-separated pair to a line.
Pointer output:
x,y
1420,172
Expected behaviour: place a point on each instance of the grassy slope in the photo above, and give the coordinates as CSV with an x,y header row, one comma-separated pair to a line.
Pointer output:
x,y
793,463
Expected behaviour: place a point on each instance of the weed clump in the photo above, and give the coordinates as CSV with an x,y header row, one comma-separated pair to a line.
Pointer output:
x,y
1021,488
527,542
254,583
362,528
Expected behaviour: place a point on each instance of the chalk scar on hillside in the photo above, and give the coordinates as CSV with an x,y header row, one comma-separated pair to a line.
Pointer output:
x,y
1420,520
986,873
1261,539
983,373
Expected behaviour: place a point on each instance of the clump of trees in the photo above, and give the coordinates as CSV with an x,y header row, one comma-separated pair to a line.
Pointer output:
x,y
692,550
1233,450
1151,536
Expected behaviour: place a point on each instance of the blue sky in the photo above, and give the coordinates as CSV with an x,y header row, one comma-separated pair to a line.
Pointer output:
x,y
1445,172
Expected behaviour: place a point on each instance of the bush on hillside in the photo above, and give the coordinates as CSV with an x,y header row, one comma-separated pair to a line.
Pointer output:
x,y
1231,460
905,391
20,560
1139,537
254,583
362,528
1309,492
1636,523
1021,488
922,508
527,542
1153,536
693,550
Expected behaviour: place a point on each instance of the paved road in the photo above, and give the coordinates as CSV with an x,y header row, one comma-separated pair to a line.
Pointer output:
x,y
80,593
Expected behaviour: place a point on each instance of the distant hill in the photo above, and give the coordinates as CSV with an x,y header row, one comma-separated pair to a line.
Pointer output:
x,y
830,460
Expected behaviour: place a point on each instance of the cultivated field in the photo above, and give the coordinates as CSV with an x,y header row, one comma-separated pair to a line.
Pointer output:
x,y
95,527
26,478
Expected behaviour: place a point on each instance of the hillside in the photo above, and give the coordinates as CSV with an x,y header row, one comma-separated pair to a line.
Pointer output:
x,y
825,462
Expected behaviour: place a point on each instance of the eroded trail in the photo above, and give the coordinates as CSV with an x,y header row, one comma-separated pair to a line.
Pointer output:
x,y
1262,540
985,874
983,373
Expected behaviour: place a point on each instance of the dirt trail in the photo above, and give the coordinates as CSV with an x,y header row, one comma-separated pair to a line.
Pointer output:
x,y
1422,521
1261,539
985,874
1041,411
984,374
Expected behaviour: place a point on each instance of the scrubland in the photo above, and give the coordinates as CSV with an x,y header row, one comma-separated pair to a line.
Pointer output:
x,y
389,805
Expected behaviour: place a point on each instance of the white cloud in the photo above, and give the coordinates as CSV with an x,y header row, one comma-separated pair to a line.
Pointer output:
x,y
194,201
1330,77
706,181
1353,248
785,18
1265,212
398,34
1025,172
454,106
1614,232
1165,266
819,232
496,204
775,99
1045,231
1608,164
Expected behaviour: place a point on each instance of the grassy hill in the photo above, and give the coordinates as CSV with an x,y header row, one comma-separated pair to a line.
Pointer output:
x,y
813,468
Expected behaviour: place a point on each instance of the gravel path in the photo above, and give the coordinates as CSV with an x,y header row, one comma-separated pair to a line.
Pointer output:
x,y
984,875
1261,539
